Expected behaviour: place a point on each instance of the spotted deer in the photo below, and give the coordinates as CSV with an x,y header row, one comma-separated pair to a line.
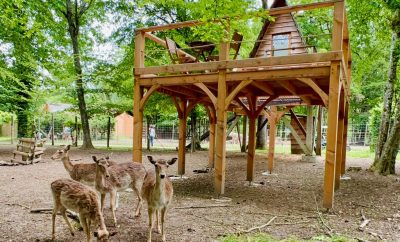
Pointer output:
x,y
119,177
73,195
157,191
82,172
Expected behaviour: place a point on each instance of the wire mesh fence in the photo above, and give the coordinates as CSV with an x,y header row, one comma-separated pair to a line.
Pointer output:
x,y
62,128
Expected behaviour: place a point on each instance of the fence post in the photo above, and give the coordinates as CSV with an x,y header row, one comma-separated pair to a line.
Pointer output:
x,y
52,129
108,131
12,129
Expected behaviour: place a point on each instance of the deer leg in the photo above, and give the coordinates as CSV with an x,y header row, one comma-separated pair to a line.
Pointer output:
x,y
163,211
158,220
53,221
117,201
64,214
102,197
86,229
113,195
137,190
150,212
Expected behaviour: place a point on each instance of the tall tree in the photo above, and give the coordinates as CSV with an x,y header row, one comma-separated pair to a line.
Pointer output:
x,y
73,13
389,135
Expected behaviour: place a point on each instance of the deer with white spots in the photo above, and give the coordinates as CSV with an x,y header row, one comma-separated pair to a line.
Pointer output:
x,y
158,191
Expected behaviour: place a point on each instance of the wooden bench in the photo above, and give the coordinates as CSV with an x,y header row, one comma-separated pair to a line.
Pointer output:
x,y
30,150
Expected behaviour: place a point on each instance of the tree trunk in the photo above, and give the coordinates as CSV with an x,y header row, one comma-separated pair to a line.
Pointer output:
x,y
73,17
261,142
388,141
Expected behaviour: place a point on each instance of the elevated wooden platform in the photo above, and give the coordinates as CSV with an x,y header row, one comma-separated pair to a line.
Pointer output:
x,y
247,86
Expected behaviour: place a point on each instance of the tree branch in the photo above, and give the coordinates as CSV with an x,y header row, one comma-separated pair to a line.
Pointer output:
x,y
85,7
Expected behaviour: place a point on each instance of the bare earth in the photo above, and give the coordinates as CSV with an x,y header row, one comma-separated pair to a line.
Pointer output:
x,y
293,194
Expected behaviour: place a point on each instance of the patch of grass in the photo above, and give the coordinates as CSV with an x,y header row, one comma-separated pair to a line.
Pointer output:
x,y
262,237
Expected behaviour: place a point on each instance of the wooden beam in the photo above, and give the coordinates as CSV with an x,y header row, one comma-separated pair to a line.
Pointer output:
x,y
264,87
182,145
147,95
272,135
263,105
292,89
138,94
330,160
275,11
235,91
344,143
337,32
164,44
251,149
246,63
296,136
208,92
318,146
299,124
181,91
339,141
316,88
310,130
245,108
220,147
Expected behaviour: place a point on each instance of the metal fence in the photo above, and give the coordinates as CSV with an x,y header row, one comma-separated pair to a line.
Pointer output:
x,y
166,137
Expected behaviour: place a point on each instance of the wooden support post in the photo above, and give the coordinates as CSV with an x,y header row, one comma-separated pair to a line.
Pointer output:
x,y
182,144
319,132
211,147
333,109
244,143
309,130
138,94
252,148
344,143
220,147
330,160
339,141
271,143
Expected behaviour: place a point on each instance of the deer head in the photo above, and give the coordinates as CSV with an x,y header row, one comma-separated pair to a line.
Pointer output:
x,y
161,166
102,165
61,153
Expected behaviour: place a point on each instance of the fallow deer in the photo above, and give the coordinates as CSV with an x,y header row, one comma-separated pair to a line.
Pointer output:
x,y
119,177
70,194
82,172
157,191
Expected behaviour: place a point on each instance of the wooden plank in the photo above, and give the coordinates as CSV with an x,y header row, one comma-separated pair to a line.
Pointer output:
x,y
164,44
271,137
310,130
263,86
208,92
337,32
330,160
251,149
220,147
138,94
235,91
297,121
252,62
318,146
147,95
324,97
296,136
281,30
263,105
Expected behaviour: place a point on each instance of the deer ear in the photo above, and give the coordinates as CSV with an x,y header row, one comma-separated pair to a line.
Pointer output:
x,y
151,159
95,159
67,147
172,161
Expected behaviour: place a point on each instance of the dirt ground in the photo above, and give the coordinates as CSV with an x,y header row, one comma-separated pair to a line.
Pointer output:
x,y
293,194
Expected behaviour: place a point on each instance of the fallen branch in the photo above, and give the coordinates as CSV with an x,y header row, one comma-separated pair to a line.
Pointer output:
x,y
70,214
329,232
211,206
259,227
299,222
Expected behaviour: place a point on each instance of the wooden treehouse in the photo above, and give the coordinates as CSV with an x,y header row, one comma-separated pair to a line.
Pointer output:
x,y
282,72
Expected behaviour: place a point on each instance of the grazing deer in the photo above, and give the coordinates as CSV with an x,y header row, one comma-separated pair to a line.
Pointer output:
x,y
70,194
119,177
85,173
157,190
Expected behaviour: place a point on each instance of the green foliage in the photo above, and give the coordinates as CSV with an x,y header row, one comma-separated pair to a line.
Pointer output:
x,y
5,117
